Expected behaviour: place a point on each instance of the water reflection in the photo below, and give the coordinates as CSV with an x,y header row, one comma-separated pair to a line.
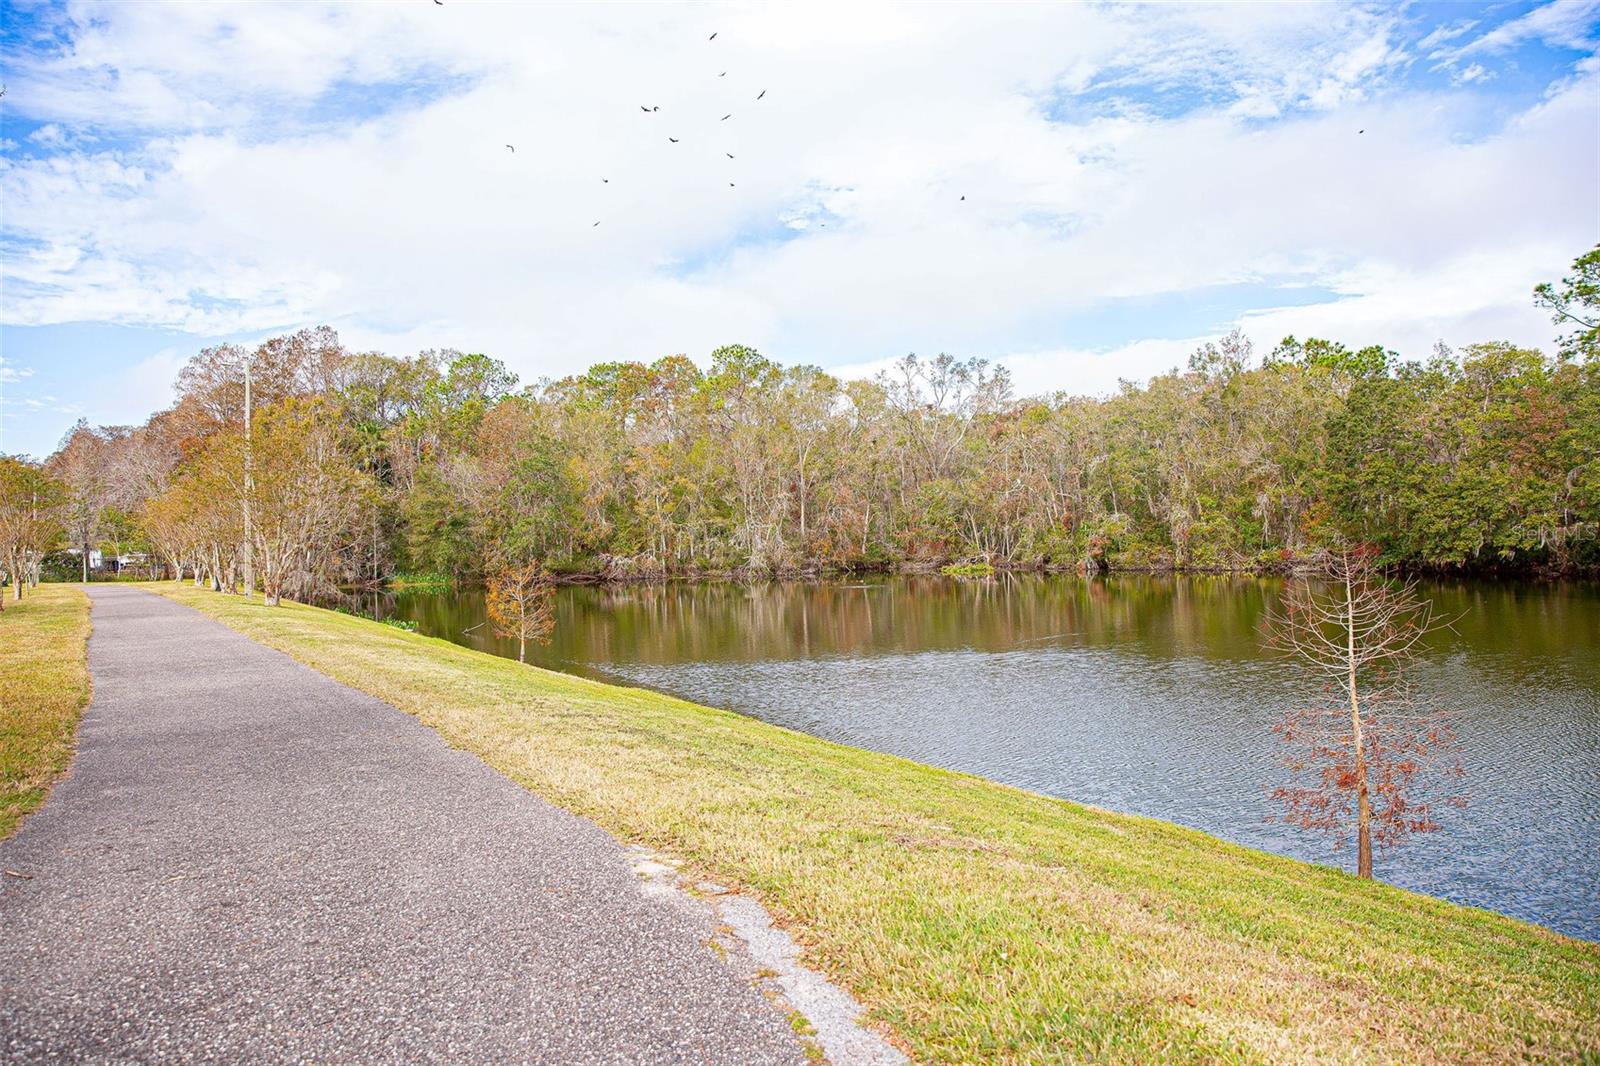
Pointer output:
x,y
1140,693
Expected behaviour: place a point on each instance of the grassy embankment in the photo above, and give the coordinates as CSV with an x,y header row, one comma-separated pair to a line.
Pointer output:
x,y
44,685
979,921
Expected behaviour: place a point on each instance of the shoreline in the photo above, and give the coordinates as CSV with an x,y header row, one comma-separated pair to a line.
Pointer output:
x,y
397,583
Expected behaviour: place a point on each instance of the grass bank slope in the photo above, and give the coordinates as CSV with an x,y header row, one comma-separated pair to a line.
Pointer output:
x,y
977,921
44,685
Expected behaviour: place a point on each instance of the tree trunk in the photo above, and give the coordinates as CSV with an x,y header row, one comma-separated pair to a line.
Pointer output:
x,y
802,506
1363,801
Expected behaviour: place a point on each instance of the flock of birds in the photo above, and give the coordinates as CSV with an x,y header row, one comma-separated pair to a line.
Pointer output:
x,y
651,109
655,108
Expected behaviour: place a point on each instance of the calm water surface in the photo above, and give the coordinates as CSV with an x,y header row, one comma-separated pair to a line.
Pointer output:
x,y
1146,694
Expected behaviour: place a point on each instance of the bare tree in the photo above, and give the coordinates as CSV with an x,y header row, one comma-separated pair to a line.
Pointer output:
x,y
306,494
298,364
1364,745
81,464
938,401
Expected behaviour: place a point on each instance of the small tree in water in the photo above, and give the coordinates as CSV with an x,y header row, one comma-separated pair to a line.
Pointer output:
x,y
1362,751
521,604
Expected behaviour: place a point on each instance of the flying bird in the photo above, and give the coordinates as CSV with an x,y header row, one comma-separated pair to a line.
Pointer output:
x,y
963,197
605,181
730,184
725,118
724,74
712,37
1361,131
512,147
762,93
674,140
596,224
728,154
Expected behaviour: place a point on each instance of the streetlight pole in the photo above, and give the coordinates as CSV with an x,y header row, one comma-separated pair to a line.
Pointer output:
x,y
249,491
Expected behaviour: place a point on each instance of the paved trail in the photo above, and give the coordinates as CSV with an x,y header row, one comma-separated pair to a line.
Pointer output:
x,y
252,862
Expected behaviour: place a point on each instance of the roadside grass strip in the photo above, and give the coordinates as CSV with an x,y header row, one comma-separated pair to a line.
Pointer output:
x,y
44,686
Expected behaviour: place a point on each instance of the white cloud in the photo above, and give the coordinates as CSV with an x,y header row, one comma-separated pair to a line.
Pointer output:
x,y
9,372
1563,23
1447,32
11,375
242,206
48,135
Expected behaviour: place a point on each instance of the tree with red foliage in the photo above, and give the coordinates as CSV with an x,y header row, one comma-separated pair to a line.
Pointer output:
x,y
1364,750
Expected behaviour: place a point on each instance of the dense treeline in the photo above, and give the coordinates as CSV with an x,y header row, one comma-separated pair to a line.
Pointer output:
x,y
361,464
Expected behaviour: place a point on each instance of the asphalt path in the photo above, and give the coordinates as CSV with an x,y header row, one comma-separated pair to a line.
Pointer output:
x,y
250,862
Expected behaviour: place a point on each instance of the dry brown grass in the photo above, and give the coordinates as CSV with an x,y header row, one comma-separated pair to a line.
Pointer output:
x,y
981,922
44,686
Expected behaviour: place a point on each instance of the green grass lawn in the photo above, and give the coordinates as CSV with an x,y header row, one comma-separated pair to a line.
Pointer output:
x,y
44,684
977,921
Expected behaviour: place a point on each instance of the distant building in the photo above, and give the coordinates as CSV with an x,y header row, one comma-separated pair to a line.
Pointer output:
x,y
98,560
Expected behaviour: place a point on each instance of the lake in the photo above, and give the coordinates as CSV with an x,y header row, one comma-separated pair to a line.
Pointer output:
x,y
1148,694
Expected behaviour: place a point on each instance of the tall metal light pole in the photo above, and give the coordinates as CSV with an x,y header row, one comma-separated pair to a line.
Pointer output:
x,y
249,490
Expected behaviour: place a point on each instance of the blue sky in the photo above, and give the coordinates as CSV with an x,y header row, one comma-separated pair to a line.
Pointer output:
x,y
1137,179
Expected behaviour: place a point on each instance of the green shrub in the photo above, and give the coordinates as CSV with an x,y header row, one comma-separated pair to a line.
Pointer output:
x,y
421,582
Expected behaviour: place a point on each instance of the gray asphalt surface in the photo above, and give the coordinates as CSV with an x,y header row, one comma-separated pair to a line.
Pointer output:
x,y
250,862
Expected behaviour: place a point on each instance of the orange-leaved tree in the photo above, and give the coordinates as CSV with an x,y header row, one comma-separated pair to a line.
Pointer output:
x,y
521,604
